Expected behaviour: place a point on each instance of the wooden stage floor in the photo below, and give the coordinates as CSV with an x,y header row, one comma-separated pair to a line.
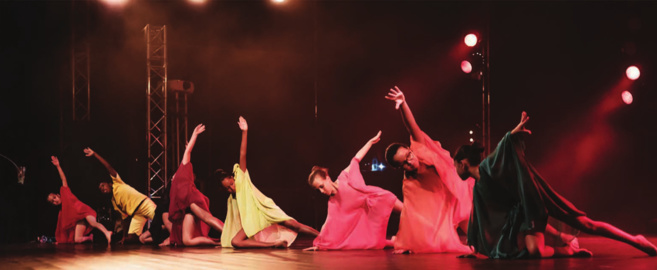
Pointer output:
x,y
608,254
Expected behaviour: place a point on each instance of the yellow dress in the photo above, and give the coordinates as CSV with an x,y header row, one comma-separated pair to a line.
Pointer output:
x,y
254,212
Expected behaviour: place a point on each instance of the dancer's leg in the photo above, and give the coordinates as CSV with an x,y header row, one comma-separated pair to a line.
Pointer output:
x,y
166,221
79,237
146,237
590,226
207,217
535,244
188,234
298,227
92,222
242,241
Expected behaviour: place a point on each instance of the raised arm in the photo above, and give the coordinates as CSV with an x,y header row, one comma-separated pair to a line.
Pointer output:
x,y
88,152
55,161
363,151
397,96
244,127
190,145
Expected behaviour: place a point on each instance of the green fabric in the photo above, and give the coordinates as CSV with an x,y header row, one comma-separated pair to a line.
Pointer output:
x,y
510,198
248,209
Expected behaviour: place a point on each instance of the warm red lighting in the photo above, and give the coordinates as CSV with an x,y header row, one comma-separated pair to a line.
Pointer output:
x,y
627,97
470,40
115,2
278,1
633,73
198,2
466,66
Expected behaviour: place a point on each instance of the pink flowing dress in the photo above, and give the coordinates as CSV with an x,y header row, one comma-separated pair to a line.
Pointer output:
x,y
183,193
73,210
357,215
436,200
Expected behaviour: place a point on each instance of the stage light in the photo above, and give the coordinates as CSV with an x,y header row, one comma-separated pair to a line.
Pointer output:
x,y
278,1
471,132
197,2
381,167
633,73
471,140
627,97
470,40
466,66
115,2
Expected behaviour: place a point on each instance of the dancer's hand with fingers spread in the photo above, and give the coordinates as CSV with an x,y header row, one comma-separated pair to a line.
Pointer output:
x,y
376,138
521,126
88,152
199,129
242,123
397,96
55,161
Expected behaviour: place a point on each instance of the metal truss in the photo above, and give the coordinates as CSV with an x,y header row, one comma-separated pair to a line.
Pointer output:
x,y
156,92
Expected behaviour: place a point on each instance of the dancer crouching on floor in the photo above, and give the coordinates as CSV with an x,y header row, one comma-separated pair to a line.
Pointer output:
x,y
189,210
75,219
253,220
358,214
512,203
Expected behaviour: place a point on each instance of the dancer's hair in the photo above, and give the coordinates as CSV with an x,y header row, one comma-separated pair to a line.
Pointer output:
x,y
317,171
390,154
221,174
474,153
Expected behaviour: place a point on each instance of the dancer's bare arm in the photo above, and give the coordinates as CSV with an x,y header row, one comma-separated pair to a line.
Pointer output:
x,y
187,156
55,161
88,152
397,96
366,148
244,127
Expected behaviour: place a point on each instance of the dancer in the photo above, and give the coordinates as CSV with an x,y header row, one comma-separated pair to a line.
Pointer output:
x,y
129,202
189,210
358,214
436,201
253,220
512,204
75,219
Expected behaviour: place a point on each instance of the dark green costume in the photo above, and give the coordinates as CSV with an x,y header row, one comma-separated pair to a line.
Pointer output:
x,y
510,198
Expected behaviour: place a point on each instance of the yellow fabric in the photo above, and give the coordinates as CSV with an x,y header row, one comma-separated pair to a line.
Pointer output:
x,y
145,212
250,210
125,198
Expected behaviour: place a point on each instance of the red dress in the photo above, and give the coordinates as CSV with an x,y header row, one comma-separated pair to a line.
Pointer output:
x,y
183,193
436,200
73,210
357,215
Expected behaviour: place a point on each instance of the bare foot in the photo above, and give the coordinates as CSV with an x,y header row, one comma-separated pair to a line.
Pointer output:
x,y
402,251
165,243
644,245
108,235
280,244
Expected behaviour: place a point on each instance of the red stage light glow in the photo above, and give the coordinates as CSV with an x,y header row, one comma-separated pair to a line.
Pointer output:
x,y
627,97
466,66
470,40
197,1
633,73
278,1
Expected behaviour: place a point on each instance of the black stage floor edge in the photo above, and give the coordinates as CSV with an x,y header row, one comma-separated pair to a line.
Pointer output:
x,y
608,254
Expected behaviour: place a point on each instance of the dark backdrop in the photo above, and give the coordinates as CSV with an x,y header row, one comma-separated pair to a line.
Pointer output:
x,y
558,61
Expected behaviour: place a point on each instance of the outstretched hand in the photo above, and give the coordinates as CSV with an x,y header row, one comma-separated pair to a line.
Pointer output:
x,y
54,160
88,152
242,123
376,138
397,96
521,126
199,129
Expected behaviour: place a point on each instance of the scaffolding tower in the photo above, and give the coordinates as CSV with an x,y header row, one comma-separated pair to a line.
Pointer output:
x,y
156,92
